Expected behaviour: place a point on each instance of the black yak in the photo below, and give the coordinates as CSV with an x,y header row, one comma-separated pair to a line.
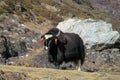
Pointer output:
x,y
63,47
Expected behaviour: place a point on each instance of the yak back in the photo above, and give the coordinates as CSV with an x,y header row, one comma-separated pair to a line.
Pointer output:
x,y
73,47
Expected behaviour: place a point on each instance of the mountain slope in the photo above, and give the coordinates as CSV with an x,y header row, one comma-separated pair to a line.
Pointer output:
x,y
29,73
54,11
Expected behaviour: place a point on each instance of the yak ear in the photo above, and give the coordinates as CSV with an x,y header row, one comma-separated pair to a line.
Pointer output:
x,y
61,37
56,41
42,40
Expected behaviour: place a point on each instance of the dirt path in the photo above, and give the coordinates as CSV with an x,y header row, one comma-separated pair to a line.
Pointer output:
x,y
53,74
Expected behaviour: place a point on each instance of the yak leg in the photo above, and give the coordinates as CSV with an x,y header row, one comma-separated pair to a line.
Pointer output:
x,y
79,65
57,65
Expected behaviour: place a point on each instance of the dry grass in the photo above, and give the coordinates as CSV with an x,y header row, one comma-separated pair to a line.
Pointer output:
x,y
53,74
27,60
42,28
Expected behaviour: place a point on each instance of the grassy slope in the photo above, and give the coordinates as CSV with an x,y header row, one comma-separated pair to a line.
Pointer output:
x,y
47,13
83,11
52,74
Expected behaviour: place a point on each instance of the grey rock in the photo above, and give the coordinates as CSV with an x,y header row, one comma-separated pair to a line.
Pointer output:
x,y
93,33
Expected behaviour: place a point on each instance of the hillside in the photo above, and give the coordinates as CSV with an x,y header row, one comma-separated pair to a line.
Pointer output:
x,y
30,73
51,12
22,22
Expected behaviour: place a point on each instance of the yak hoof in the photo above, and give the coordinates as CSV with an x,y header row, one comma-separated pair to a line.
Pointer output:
x,y
79,69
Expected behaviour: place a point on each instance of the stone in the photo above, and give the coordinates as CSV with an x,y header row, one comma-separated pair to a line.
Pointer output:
x,y
91,31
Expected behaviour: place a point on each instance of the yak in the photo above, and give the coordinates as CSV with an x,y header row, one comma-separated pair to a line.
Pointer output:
x,y
63,47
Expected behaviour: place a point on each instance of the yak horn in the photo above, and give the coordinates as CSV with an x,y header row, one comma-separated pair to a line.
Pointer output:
x,y
48,36
58,33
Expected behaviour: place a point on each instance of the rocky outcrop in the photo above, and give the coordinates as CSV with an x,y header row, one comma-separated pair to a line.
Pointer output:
x,y
106,60
93,33
15,39
11,47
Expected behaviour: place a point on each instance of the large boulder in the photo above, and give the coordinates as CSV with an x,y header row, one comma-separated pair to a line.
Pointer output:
x,y
91,31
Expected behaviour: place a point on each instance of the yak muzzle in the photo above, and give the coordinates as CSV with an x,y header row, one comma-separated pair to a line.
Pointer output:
x,y
45,48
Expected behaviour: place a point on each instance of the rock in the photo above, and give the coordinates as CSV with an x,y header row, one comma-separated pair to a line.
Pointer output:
x,y
79,1
58,1
1,72
41,60
91,70
11,47
50,8
106,60
91,31
15,39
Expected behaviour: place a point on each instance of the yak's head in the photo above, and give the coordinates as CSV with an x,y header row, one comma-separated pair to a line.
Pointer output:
x,y
50,39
